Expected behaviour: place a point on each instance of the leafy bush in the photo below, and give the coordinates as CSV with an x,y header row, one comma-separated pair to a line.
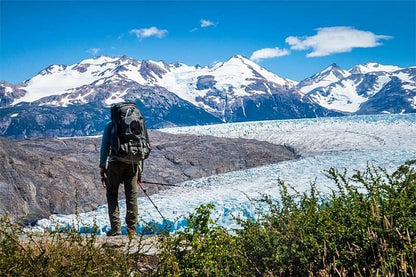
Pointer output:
x,y
202,249
366,227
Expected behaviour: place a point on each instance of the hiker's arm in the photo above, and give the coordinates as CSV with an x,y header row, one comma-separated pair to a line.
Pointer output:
x,y
140,170
105,146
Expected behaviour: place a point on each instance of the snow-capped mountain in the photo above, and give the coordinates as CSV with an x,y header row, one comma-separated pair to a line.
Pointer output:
x,y
373,67
191,83
8,93
397,95
74,99
169,95
329,75
364,89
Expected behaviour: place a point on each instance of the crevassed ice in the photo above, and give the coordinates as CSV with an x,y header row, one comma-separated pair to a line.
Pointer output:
x,y
385,141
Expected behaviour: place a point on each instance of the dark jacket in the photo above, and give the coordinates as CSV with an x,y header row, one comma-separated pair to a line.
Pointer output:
x,y
105,144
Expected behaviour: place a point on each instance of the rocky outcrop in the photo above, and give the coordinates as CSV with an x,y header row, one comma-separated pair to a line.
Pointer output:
x,y
40,177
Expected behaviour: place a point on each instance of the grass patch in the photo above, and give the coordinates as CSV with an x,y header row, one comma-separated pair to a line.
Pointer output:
x,y
68,253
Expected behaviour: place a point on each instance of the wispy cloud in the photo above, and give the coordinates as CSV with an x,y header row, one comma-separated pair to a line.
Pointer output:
x,y
204,23
149,32
268,53
93,51
207,23
332,40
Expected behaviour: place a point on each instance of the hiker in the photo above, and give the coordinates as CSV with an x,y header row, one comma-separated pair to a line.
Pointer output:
x,y
124,146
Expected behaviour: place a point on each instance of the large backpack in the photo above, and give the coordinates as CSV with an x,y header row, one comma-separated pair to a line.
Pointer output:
x,y
129,139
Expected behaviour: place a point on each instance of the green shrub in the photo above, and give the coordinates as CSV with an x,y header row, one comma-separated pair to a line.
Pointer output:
x,y
202,249
366,227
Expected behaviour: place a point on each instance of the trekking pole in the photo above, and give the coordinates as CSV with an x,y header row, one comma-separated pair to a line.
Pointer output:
x,y
159,184
144,190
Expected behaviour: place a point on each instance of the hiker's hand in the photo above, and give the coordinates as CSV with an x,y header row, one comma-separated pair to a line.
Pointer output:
x,y
103,172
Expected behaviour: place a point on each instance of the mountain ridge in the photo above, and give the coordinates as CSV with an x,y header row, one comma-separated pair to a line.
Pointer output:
x,y
354,89
176,94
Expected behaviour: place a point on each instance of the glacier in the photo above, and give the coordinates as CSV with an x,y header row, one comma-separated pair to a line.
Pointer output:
x,y
353,142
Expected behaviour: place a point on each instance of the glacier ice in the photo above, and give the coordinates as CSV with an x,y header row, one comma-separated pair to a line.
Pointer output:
x,y
385,141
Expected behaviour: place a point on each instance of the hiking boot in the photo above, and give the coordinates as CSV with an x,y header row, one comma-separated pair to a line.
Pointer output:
x,y
131,232
113,232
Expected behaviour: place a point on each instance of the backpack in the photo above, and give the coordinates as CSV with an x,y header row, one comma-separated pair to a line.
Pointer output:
x,y
129,139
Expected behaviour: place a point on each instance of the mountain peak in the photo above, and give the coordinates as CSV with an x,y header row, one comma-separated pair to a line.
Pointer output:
x,y
53,68
329,75
242,67
332,67
99,60
373,67
238,59
332,72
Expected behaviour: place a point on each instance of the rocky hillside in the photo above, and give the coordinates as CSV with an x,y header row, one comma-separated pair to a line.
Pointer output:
x,y
40,177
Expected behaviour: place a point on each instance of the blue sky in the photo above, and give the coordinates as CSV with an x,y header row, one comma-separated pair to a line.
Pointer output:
x,y
293,39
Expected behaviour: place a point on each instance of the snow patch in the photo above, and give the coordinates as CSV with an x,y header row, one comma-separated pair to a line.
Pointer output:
x,y
342,97
8,90
242,107
404,77
62,80
99,60
116,97
413,102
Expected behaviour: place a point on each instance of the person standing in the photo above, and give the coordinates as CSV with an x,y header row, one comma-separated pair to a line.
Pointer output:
x,y
124,146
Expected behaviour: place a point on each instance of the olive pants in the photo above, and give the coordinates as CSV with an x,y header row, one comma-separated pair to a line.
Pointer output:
x,y
117,173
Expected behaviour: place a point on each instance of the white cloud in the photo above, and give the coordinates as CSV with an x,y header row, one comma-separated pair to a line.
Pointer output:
x,y
204,23
93,51
149,32
207,23
331,40
268,53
